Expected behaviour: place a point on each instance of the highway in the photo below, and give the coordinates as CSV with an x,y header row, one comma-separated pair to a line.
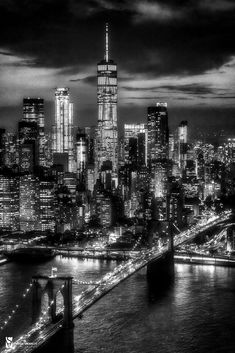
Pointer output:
x,y
38,334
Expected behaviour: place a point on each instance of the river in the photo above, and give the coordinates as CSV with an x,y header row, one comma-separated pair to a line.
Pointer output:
x,y
194,313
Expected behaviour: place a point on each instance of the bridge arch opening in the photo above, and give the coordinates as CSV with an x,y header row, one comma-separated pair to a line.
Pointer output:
x,y
59,300
45,304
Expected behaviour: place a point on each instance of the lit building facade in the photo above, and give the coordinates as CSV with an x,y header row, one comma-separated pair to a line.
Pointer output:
x,y
158,132
183,144
63,127
135,144
107,133
81,155
29,203
47,205
33,111
9,201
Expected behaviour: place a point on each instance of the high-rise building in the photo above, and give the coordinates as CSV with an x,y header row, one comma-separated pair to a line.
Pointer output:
x,y
29,203
135,144
47,204
183,144
63,127
28,145
158,159
33,112
107,133
81,155
90,133
158,132
9,201
11,146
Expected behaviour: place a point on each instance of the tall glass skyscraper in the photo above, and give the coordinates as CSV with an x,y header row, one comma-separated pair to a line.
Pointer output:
x,y
158,132
183,144
107,134
63,128
33,112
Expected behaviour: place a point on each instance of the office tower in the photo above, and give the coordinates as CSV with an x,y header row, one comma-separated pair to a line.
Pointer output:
x,y
81,155
171,147
27,131
29,203
62,144
47,204
183,144
90,180
28,146
107,134
230,150
104,209
158,132
11,150
9,201
33,111
90,133
135,145
158,159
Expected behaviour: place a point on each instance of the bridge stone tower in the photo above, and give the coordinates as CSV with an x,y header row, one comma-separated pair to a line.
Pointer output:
x,y
163,269
51,286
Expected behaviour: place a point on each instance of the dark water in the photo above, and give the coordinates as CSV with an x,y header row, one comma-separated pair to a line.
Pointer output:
x,y
195,313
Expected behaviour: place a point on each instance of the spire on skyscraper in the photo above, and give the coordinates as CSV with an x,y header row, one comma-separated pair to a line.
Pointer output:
x,y
106,56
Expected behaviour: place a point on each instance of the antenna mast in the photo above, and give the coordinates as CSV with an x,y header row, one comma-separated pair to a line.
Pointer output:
x,y
106,57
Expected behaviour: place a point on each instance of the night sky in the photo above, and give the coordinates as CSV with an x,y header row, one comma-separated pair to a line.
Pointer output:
x,y
177,51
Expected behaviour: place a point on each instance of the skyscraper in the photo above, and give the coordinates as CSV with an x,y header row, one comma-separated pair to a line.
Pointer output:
x,y
33,112
183,144
9,200
135,144
63,127
107,134
81,155
158,158
158,132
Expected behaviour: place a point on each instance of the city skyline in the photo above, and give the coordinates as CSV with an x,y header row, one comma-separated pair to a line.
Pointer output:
x,y
164,51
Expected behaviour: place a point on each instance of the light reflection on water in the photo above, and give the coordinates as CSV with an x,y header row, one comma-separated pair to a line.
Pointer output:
x,y
192,314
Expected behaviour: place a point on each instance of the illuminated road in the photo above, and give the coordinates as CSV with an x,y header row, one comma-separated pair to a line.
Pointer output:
x,y
38,334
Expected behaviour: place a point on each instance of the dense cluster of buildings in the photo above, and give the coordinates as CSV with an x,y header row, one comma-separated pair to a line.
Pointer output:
x,y
67,178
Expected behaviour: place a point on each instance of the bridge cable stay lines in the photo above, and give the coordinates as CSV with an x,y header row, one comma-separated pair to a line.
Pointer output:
x,y
96,291
16,307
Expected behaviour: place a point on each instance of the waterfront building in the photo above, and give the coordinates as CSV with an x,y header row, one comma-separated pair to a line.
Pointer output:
x,y
9,201
29,203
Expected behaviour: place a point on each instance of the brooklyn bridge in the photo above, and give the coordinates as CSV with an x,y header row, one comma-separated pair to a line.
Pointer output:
x,y
46,322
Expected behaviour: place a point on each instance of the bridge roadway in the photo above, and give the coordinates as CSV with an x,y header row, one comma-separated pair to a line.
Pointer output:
x,y
41,332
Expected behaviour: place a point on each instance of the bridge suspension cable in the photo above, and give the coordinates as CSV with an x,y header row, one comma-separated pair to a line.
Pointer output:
x,y
16,307
86,282
37,327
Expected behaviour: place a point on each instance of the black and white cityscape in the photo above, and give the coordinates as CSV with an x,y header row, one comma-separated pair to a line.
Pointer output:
x,y
117,176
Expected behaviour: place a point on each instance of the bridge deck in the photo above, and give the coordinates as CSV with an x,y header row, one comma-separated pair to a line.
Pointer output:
x,y
40,333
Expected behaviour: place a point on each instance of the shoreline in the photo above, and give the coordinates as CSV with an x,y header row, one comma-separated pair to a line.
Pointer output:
x,y
181,258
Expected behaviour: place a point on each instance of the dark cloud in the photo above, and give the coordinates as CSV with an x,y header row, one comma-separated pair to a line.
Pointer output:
x,y
148,40
58,33
88,79
188,88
